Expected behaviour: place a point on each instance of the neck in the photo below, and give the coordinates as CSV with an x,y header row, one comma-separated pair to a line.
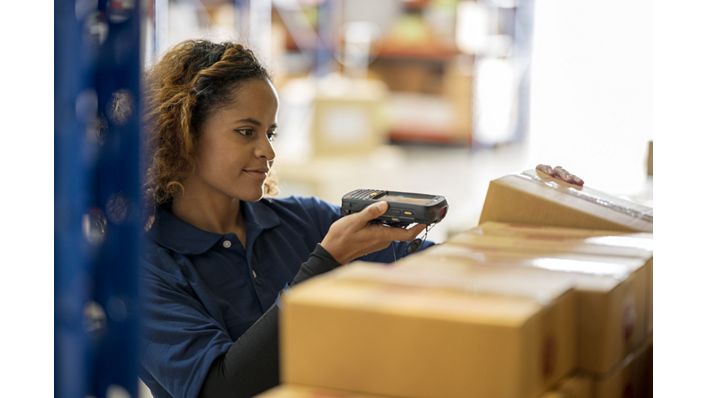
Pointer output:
x,y
213,213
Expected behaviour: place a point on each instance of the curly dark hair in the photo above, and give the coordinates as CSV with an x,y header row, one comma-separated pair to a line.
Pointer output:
x,y
193,79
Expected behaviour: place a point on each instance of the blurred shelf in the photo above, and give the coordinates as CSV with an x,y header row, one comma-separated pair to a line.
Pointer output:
x,y
446,137
431,51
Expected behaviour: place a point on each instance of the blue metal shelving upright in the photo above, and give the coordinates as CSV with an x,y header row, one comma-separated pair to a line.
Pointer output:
x,y
97,112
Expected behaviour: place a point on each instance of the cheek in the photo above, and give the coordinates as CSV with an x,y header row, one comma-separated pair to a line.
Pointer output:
x,y
222,162
211,159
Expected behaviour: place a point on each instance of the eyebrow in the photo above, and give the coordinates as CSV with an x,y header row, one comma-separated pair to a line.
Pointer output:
x,y
255,122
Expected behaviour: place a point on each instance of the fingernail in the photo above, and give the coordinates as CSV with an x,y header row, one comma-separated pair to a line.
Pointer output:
x,y
381,205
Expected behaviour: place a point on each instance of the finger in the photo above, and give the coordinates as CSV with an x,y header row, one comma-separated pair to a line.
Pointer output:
x,y
568,177
382,229
416,230
563,174
392,234
371,212
560,172
577,181
543,168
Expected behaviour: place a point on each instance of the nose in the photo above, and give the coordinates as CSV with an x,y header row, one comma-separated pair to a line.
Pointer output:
x,y
264,149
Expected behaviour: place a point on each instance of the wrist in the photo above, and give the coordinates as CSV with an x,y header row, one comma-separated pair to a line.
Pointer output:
x,y
325,246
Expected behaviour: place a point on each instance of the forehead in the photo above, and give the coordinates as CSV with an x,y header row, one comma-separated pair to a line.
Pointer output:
x,y
253,96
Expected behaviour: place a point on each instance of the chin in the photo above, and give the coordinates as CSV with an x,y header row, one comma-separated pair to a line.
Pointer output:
x,y
250,196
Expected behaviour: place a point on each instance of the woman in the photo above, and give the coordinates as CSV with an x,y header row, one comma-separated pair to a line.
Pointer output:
x,y
218,254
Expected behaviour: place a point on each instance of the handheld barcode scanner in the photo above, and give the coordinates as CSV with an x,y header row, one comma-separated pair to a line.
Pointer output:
x,y
404,208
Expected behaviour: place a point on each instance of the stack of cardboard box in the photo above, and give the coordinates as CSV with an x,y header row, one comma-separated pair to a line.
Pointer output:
x,y
612,277
525,305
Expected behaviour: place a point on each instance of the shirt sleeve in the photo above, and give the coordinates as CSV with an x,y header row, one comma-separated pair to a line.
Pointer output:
x,y
319,262
252,363
324,212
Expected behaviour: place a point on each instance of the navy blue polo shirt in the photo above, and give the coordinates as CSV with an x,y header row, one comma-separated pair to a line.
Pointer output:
x,y
202,290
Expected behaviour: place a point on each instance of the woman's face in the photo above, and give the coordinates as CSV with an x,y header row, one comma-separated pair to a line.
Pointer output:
x,y
234,152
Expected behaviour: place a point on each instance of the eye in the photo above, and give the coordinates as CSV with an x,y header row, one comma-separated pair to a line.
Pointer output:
x,y
245,132
272,134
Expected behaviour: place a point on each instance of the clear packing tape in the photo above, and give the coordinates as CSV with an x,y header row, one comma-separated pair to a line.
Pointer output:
x,y
491,255
512,282
623,206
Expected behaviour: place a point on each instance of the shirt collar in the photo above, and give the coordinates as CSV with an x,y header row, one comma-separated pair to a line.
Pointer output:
x,y
178,235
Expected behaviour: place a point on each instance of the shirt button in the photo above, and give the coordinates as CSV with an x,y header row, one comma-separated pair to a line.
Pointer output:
x,y
226,244
254,274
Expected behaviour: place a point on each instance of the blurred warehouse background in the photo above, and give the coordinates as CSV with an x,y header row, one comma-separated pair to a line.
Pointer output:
x,y
441,96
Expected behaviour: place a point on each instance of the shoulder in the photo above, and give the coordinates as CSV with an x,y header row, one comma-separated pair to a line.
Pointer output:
x,y
305,211
160,263
308,204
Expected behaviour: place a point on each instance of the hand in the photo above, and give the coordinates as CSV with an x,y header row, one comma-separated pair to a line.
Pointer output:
x,y
353,236
560,173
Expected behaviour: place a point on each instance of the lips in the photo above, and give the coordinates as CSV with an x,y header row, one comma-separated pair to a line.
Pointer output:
x,y
259,173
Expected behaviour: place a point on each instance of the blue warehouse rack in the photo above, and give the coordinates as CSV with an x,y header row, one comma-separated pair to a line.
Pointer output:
x,y
97,121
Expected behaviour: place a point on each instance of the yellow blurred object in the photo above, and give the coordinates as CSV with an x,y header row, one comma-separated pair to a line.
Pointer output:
x,y
348,118
294,391
535,199
611,291
430,100
386,330
459,90
632,378
572,387
411,30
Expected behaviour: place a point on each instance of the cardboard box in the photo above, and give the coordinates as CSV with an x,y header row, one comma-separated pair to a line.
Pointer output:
x,y
546,240
610,296
638,245
577,386
638,240
631,379
390,331
530,198
347,117
294,391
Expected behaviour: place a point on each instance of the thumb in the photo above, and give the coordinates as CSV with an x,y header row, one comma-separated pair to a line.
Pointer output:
x,y
373,211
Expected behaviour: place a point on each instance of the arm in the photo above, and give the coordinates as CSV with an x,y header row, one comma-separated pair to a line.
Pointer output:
x,y
251,364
